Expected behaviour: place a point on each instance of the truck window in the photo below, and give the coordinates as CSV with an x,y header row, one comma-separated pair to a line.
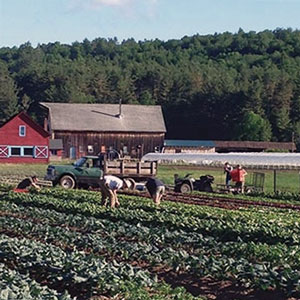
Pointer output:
x,y
96,163
88,163
80,162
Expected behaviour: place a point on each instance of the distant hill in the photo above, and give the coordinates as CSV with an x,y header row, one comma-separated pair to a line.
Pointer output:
x,y
243,86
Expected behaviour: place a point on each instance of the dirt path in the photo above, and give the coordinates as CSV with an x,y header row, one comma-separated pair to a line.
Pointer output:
x,y
218,201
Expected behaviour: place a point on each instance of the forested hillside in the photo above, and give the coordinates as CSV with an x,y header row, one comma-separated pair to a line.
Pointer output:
x,y
242,86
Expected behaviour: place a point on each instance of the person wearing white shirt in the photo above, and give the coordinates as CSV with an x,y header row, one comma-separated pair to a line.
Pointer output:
x,y
109,185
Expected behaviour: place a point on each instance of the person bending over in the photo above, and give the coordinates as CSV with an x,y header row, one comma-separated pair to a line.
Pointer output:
x,y
156,189
26,184
109,185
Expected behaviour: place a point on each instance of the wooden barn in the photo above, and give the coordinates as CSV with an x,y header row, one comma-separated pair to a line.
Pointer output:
x,y
23,141
132,130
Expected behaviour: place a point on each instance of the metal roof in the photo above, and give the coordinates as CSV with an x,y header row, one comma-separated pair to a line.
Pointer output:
x,y
188,143
105,117
55,144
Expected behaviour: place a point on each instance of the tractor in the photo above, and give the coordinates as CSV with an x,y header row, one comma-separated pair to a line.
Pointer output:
x,y
188,184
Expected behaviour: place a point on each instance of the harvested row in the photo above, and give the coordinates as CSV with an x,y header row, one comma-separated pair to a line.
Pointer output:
x,y
219,201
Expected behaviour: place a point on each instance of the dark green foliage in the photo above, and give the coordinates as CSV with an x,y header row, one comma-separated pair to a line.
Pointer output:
x,y
8,95
206,84
254,128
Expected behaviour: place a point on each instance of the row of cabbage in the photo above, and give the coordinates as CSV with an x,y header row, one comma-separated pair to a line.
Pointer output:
x,y
253,248
82,274
17,286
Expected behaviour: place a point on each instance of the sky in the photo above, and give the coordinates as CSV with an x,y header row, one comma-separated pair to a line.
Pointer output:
x,y
68,21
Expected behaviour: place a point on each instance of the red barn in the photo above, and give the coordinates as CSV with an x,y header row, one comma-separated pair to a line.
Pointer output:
x,y
23,141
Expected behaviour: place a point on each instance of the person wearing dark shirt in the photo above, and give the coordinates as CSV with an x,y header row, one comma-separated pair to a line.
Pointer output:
x,y
227,169
26,183
156,189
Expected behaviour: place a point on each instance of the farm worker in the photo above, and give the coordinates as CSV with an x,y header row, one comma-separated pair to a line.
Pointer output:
x,y
238,175
227,169
109,185
156,189
27,183
177,179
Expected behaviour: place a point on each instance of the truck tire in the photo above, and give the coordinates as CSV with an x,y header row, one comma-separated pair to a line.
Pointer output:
x,y
185,188
67,182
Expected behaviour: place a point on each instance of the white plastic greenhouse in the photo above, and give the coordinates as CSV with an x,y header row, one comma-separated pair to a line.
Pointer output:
x,y
253,160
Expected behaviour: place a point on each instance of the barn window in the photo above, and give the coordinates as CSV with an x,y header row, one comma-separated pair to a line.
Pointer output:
x,y
22,130
15,151
28,151
21,151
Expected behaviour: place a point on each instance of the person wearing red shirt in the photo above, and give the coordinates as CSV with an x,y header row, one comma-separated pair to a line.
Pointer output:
x,y
238,175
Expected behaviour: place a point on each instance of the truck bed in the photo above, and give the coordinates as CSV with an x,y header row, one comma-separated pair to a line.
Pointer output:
x,y
127,168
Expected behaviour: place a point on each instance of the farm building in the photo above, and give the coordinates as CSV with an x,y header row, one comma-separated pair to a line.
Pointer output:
x,y
23,141
188,146
198,146
252,146
55,149
93,128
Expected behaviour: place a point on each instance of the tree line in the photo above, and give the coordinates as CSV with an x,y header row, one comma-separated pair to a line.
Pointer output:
x,y
227,86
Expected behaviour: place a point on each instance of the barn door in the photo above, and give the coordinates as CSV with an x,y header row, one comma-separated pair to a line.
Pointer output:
x,y
3,151
72,152
41,152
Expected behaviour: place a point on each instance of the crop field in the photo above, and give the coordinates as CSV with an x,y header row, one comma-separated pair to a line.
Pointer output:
x,y
58,244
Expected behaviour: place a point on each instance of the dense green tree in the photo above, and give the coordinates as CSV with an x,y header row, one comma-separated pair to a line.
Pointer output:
x,y
8,95
253,128
146,98
205,84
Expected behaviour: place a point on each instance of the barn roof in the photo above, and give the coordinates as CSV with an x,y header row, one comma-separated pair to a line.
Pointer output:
x,y
104,117
23,116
